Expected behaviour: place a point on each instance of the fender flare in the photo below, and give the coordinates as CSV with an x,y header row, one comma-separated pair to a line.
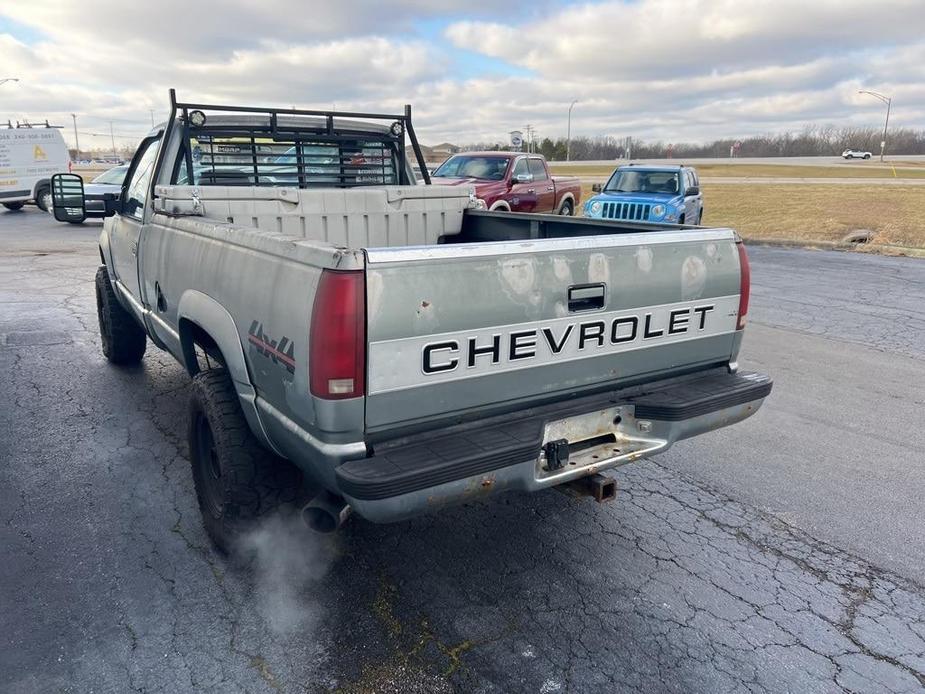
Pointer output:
x,y
210,316
568,195
106,252
502,205
201,310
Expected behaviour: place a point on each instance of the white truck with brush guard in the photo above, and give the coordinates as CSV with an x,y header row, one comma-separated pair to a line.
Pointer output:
x,y
359,341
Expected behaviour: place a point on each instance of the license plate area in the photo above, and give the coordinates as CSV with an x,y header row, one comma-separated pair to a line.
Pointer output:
x,y
592,441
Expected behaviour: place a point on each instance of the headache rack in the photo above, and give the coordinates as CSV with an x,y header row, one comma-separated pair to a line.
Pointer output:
x,y
290,147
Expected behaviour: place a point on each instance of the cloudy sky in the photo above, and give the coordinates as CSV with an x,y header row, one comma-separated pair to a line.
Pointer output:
x,y
676,70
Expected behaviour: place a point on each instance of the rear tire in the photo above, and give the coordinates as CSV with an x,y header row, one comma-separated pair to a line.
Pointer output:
x,y
567,209
43,199
13,205
867,156
123,340
681,219
237,481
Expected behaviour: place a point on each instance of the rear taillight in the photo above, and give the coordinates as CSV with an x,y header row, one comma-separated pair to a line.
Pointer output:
x,y
337,342
745,284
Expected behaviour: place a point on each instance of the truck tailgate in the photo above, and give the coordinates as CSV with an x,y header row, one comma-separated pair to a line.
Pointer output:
x,y
472,328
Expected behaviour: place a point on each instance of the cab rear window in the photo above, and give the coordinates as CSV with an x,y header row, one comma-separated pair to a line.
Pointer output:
x,y
230,159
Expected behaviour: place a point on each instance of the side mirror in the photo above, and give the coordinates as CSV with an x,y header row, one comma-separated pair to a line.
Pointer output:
x,y
523,178
597,187
693,190
67,198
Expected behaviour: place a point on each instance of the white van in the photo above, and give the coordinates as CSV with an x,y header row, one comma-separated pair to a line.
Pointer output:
x,y
28,158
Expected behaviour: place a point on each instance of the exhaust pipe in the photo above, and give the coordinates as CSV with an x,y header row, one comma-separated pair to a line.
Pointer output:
x,y
325,513
601,487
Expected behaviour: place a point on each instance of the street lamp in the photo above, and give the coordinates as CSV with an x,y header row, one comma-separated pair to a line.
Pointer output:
x,y
889,102
4,80
568,137
76,139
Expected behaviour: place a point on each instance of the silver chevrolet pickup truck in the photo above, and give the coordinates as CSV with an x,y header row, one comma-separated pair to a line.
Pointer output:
x,y
387,345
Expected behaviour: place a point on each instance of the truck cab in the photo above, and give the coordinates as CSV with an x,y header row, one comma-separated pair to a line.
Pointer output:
x,y
661,194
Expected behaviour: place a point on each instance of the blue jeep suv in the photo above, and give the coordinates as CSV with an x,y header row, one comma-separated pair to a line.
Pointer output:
x,y
634,193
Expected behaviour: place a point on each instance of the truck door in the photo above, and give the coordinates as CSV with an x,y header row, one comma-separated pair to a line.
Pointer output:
x,y
693,200
125,229
523,195
545,188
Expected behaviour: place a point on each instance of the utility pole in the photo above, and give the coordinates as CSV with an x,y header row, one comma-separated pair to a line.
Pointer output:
x,y
888,100
76,141
529,129
113,139
568,137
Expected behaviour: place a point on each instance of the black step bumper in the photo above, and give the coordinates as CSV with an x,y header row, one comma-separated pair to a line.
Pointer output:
x,y
423,465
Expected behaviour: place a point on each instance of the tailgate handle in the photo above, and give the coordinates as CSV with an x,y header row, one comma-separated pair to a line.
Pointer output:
x,y
585,297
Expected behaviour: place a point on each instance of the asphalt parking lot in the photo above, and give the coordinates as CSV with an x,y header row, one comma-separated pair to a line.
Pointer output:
x,y
783,554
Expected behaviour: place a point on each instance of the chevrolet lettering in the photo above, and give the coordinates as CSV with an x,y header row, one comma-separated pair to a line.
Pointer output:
x,y
568,339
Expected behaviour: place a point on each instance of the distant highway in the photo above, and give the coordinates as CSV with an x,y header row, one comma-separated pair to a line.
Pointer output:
x,y
790,180
784,161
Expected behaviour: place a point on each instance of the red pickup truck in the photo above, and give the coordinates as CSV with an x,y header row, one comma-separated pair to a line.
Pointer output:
x,y
511,181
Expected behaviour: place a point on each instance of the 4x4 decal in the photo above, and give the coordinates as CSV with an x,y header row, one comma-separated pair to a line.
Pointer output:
x,y
279,352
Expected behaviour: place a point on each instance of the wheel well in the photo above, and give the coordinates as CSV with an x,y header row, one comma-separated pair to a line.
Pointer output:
x,y
44,183
193,336
567,197
500,205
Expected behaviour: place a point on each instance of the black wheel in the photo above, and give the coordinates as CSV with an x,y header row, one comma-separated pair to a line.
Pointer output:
x,y
71,221
43,199
681,219
700,217
123,340
13,205
237,480
567,209
867,156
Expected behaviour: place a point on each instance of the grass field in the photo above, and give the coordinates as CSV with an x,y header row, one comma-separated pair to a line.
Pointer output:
x,y
805,212
766,171
815,212
818,212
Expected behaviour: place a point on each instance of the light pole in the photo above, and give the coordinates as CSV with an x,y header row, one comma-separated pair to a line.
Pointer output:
x,y
4,80
113,140
888,100
76,141
568,136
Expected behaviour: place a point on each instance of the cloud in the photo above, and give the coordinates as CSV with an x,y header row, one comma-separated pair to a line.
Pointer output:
x,y
654,69
181,28
660,38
